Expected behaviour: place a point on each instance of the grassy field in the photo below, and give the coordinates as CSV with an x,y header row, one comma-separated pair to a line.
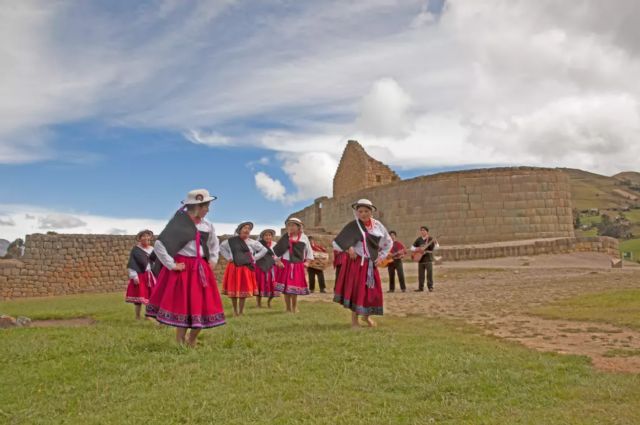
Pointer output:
x,y
616,307
272,368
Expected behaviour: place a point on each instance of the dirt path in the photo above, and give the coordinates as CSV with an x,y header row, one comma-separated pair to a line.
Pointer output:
x,y
496,295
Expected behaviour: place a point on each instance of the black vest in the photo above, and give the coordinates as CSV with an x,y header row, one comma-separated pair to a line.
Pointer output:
x,y
297,256
180,231
139,259
266,262
350,235
240,251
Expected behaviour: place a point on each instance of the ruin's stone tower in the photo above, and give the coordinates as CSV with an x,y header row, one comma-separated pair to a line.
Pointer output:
x,y
357,170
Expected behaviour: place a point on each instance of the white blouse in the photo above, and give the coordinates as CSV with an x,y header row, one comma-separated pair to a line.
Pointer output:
x,y
257,249
132,273
308,252
386,243
189,250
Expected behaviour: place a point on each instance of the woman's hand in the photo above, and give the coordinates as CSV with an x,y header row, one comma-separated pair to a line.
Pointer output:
x,y
352,253
279,263
306,263
179,267
212,266
136,281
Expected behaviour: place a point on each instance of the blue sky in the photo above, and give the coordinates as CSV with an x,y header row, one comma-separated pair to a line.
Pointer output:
x,y
111,111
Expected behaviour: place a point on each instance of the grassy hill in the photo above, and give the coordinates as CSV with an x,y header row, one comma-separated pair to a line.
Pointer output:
x,y
590,190
632,177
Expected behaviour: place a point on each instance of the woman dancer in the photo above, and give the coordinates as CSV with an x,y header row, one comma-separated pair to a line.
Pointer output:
x,y
266,269
141,279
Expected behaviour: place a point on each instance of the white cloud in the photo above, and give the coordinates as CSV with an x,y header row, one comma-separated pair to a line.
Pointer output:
x,y
548,84
59,221
93,224
271,188
207,139
7,221
384,110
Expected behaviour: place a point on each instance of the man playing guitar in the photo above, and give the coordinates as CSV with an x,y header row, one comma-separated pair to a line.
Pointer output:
x,y
395,256
422,251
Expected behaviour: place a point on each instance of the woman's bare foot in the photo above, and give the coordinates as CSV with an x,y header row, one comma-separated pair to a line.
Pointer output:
x,y
371,323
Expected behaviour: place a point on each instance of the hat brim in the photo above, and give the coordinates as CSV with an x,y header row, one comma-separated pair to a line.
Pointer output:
x,y
204,201
356,205
273,232
299,223
241,225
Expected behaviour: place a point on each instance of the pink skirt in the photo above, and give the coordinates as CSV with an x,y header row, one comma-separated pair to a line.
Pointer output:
x,y
267,282
140,293
352,291
187,299
239,281
292,279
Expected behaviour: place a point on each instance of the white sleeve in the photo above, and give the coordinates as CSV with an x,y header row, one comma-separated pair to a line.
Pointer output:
x,y
214,245
258,250
163,255
132,273
225,250
336,247
308,252
386,243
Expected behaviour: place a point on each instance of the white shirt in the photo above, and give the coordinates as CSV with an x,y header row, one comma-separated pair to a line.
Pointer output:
x,y
189,250
308,252
385,245
148,249
257,249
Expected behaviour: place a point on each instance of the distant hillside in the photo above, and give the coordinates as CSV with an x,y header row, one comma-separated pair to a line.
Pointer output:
x,y
629,177
590,190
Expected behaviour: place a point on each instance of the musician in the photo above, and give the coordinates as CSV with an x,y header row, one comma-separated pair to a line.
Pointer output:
x,y
315,271
424,245
397,252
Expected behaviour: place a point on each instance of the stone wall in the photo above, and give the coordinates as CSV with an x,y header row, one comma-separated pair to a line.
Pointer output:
x,y
602,244
72,264
477,206
357,170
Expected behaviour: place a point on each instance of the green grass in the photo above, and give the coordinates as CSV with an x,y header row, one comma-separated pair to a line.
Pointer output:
x,y
590,219
632,245
620,308
274,368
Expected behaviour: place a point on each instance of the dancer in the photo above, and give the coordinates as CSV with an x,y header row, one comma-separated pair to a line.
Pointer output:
x,y
367,243
186,295
266,269
141,279
239,281
294,250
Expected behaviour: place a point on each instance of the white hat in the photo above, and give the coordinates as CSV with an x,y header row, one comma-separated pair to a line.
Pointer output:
x,y
293,220
198,196
363,203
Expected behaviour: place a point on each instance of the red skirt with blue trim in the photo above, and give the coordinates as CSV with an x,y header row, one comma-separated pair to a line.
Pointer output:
x,y
352,291
188,298
292,278
141,292
266,282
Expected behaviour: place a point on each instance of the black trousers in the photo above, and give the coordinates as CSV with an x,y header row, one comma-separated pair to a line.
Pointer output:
x,y
312,279
394,267
428,267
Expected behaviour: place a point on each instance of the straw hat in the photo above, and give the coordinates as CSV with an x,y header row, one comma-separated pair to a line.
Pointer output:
x,y
198,196
363,203
273,233
293,220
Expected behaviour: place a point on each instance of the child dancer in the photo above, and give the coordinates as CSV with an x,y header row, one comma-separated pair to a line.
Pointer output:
x,y
141,280
239,277
294,249
266,269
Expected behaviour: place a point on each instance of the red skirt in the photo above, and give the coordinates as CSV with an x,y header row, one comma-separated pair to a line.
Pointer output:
x,y
352,291
239,281
187,299
292,279
267,282
140,293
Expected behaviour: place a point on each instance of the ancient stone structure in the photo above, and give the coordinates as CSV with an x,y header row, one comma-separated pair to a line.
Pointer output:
x,y
465,207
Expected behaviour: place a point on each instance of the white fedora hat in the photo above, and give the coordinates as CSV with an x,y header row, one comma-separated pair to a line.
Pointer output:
x,y
363,203
198,196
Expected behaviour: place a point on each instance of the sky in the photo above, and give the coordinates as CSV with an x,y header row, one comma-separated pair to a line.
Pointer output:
x,y
111,111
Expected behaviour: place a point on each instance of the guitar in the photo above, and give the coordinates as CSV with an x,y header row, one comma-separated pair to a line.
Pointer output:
x,y
418,253
385,263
